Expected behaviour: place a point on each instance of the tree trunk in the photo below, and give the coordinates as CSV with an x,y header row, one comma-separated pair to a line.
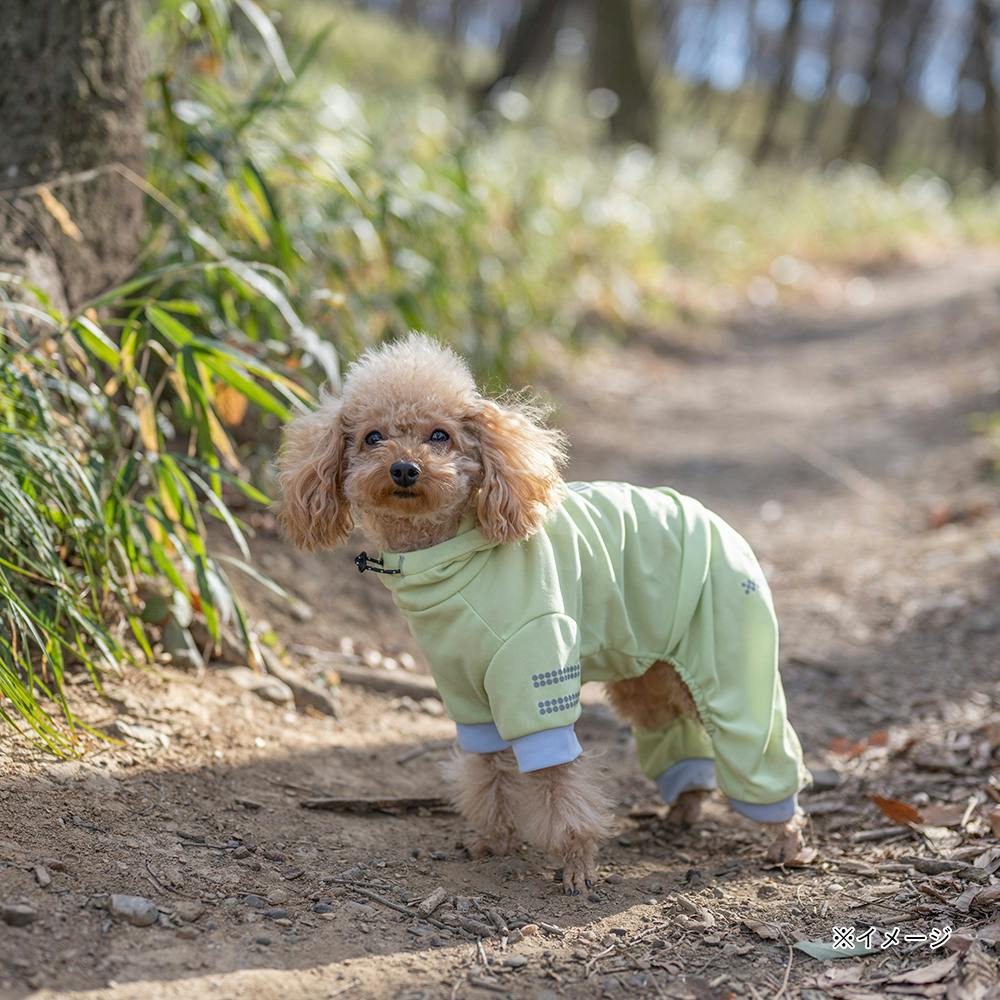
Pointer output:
x,y
902,84
783,85
616,64
71,118
529,45
834,58
703,90
983,41
857,124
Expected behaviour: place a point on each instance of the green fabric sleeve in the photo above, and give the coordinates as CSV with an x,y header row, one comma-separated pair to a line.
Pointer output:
x,y
533,681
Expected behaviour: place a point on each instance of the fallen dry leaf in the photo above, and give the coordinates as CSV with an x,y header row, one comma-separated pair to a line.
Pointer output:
x,y
991,732
230,404
940,837
955,514
802,858
763,930
898,811
844,975
990,933
932,973
964,901
994,820
60,213
979,975
987,897
909,990
988,860
960,942
854,748
950,814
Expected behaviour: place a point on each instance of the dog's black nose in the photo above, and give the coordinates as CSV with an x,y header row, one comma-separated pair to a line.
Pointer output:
x,y
404,473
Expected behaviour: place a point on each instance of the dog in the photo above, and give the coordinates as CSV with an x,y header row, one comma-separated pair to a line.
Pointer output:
x,y
519,586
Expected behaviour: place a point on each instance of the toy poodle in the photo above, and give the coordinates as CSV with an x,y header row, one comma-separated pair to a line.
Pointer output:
x,y
519,586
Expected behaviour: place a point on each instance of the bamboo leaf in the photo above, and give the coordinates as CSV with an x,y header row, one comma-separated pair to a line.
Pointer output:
x,y
269,35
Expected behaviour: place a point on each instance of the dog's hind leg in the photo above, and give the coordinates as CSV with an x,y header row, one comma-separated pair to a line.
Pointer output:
x,y
686,808
483,789
789,838
654,699
673,747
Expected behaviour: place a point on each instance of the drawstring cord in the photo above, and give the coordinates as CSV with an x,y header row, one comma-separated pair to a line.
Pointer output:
x,y
364,561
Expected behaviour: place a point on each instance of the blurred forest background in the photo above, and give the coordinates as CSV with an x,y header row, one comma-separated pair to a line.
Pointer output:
x,y
209,206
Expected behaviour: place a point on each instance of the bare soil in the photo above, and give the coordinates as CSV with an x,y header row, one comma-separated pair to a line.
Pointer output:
x,y
840,445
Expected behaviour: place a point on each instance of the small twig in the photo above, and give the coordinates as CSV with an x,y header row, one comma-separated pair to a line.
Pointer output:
x,y
931,891
476,927
842,472
588,969
419,751
387,681
152,878
431,902
387,804
969,810
78,177
882,833
76,821
788,972
293,787
398,907
379,898
486,984
345,988
158,802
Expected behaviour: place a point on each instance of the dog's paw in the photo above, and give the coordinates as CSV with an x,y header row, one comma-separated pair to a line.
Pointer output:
x,y
789,843
488,847
686,811
576,875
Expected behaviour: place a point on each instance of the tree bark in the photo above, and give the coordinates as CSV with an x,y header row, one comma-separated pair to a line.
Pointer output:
x,y
983,43
899,88
857,125
71,118
834,58
616,63
529,45
783,85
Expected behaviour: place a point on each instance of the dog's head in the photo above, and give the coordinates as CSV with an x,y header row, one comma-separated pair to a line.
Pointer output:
x,y
411,440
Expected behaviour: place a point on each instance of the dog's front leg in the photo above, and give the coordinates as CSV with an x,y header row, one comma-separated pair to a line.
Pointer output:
x,y
484,788
565,811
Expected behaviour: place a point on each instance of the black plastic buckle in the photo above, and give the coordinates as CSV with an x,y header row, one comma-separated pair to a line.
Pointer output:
x,y
365,561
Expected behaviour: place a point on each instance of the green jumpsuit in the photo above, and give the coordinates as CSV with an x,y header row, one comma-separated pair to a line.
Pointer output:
x,y
617,578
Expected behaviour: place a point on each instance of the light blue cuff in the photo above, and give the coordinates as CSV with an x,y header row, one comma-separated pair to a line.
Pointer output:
x,y
770,812
546,749
480,738
685,776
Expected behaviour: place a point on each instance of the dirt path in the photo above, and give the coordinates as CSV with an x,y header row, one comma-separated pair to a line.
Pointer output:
x,y
833,442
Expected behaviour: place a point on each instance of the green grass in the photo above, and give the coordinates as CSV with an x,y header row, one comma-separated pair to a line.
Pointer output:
x,y
310,195
523,233
114,452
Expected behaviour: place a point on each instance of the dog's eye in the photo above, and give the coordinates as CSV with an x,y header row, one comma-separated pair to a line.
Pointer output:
x,y
439,435
372,438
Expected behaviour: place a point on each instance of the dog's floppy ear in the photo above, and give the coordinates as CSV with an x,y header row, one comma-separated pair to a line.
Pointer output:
x,y
521,460
314,511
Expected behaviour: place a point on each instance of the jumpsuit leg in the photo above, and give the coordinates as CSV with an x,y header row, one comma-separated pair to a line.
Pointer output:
x,y
678,757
